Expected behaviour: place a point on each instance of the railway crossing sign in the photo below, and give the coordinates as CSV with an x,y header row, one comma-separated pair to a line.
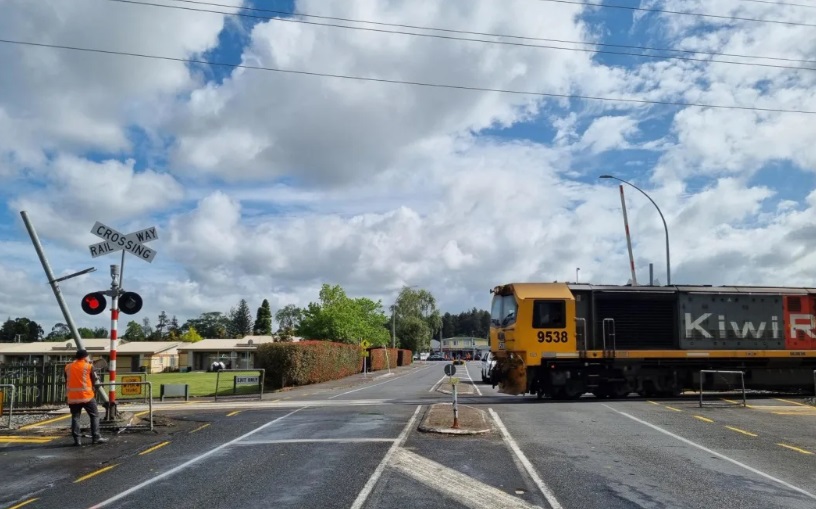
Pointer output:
x,y
113,241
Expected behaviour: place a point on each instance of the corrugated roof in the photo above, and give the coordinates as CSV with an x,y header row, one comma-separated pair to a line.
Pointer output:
x,y
542,291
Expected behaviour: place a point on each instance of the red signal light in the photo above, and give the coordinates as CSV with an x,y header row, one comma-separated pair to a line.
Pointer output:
x,y
94,303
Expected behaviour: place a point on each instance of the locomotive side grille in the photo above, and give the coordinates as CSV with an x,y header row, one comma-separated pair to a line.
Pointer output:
x,y
640,324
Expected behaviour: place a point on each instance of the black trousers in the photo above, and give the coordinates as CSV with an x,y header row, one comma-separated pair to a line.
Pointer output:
x,y
76,412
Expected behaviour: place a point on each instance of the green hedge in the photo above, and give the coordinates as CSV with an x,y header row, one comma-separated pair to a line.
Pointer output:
x,y
307,362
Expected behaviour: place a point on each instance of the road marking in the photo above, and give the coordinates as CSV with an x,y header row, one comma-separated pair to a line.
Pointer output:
x,y
190,462
141,413
48,421
19,439
548,494
95,473
233,413
742,431
705,419
472,382
734,402
375,385
437,384
375,476
710,451
460,487
654,403
159,446
791,402
795,449
672,408
200,427
21,504
809,414
317,440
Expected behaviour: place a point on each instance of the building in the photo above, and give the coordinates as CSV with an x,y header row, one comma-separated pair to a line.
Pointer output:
x,y
234,353
461,345
41,352
147,356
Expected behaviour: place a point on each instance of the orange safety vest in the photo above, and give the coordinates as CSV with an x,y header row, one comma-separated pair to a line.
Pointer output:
x,y
78,381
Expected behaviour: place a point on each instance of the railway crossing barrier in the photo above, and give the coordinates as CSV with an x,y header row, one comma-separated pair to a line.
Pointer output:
x,y
742,382
11,404
241,380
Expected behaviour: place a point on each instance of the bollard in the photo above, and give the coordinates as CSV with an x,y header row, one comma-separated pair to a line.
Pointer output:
x,y
455,409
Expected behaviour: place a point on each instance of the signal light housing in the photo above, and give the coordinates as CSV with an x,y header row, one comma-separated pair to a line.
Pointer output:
x,y
94,303
130,303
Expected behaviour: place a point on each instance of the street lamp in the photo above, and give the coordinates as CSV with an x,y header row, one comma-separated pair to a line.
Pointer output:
x,y
668,263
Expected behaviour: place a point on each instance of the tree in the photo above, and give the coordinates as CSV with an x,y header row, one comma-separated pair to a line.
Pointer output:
x,y
134,332
414,306
173,330
86,333
340,318
190,336
288,319
20,329
59,332
146,328
161,327
241,320
212,325
263,320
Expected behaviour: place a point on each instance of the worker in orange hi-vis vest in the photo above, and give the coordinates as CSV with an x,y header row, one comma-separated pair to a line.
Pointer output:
x,y
80,380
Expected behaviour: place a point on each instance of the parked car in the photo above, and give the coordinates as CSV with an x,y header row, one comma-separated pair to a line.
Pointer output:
x,y
436,357
488,362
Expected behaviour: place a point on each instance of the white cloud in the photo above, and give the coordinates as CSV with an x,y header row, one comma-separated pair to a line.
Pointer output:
x,y
374,186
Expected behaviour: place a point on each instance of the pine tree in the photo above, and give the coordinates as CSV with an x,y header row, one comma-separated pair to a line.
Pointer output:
x,y
263,320
161,326
173,331
241,320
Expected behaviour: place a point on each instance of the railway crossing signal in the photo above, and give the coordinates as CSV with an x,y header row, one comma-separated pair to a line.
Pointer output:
x,y
130,303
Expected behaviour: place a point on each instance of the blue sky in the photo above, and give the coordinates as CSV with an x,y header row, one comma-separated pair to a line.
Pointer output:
x,y
266,185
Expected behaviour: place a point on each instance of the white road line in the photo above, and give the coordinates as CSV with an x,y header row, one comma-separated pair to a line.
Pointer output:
x,y
316,440
545,490
190,462
456,485
471,380
434,386
375,476
375,385
719,455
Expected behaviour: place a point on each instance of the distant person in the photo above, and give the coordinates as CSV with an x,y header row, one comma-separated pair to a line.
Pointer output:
x,y
81,379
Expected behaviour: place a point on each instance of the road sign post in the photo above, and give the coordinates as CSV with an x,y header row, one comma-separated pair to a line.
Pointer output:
x,y
134,243
450,370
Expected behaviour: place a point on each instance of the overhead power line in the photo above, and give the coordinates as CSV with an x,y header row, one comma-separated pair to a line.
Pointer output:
x,y
403,82
438,36
781,4
681,13
494,34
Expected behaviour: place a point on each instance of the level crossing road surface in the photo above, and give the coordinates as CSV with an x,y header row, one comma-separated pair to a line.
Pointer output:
x,y
358,446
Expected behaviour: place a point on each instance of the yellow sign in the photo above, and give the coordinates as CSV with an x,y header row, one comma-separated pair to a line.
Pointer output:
x,y
365,343
131,390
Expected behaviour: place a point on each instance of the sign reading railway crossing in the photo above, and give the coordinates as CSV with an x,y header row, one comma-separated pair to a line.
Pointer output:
x,y
113,241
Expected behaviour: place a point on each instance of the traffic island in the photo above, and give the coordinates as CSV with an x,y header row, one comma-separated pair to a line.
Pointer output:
x,y
463,388
439,419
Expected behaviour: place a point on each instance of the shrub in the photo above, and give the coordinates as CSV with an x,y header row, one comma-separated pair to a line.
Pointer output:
x,y
405,358
307,362
378,358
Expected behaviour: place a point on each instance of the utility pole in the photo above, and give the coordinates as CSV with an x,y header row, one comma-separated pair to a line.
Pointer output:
x,y
394,326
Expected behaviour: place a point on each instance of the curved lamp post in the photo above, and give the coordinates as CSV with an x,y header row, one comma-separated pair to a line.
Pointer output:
x,y
668,263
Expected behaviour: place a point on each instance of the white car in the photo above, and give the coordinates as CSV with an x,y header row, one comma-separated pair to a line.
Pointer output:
x,y
488,362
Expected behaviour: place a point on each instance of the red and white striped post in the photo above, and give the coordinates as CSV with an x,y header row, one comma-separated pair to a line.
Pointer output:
x,y
628,239
114,339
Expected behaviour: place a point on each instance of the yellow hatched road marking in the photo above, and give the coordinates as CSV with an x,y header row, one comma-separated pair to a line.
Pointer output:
x,y
795,413
48,421
200,427
795,449
706,419
95,473
742,431
158,446
21,504
672,408
233,413
654,403
791,402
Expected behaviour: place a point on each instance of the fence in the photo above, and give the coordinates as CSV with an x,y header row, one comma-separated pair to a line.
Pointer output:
x,y
36,384
3,401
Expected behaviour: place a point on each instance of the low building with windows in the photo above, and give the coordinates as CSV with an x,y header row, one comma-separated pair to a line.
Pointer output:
x,y
43,352
462,345
234,353
147,356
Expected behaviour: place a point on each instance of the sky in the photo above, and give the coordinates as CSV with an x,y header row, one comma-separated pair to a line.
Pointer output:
x,y
264,184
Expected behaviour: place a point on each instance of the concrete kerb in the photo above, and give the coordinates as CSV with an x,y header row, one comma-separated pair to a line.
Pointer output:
x,y
472,421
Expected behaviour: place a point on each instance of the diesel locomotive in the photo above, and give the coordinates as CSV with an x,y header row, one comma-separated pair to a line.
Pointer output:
x,y
564,340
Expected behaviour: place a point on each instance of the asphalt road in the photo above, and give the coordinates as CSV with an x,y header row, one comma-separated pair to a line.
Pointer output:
x,y
356,445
